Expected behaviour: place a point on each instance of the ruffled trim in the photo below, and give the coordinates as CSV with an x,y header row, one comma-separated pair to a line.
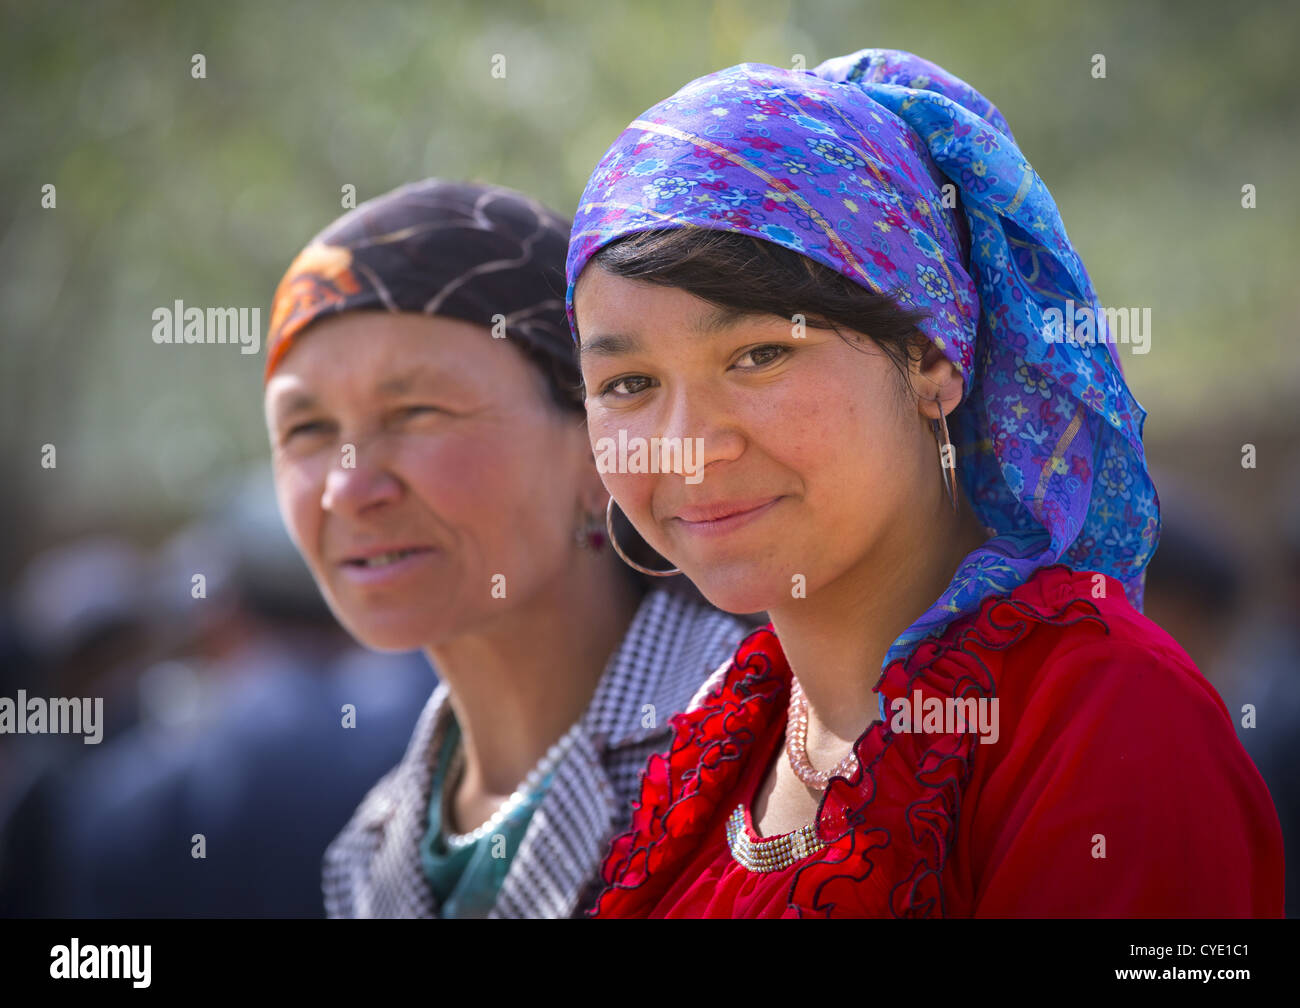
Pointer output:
x,y
706,759
889,827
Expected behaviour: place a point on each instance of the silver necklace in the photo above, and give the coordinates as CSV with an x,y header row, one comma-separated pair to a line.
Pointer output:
x,y
548,762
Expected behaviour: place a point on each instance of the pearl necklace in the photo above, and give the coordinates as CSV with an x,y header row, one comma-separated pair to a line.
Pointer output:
x,y
526,790
796,744
770,854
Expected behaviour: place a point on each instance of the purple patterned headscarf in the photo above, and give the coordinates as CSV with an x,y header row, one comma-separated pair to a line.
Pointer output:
x,y
891,171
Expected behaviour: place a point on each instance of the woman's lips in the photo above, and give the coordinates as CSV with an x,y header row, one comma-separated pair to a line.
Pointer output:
x,y
391,571
728,524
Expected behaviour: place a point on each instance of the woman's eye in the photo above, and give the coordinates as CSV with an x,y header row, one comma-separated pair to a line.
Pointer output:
x,y
412,410
631,386
761,356
303,429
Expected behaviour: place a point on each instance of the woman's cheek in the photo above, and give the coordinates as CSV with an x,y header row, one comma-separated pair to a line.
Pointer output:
x,y
790,423
609,429
299,490
634,495
605,423
446,469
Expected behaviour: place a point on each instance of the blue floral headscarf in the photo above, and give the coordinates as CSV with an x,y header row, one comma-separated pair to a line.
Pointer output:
x,y
891,171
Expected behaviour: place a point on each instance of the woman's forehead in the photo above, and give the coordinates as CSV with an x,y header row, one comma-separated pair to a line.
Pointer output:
x,y
388,353
627,301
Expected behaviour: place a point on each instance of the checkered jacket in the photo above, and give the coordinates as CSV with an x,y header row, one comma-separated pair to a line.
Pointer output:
x,y
373,869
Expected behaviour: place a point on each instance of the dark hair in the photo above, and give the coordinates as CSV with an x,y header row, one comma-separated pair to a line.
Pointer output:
x,y
753,276
562,379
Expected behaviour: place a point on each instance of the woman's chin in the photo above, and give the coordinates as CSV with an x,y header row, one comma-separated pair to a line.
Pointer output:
x,y
390,643
737,594
387,637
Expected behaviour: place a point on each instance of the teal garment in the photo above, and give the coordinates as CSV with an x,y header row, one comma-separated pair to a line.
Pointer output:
x,y
465,882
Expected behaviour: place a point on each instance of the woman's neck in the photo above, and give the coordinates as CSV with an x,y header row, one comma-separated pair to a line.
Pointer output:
x,y
519,684
836,639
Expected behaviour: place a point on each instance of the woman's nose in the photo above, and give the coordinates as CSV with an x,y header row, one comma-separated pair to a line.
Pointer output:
x,y
701,422
359,480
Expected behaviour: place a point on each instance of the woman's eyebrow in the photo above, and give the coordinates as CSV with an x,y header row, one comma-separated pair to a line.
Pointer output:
x,y
613,344
403,383
609,345
721,318
290,405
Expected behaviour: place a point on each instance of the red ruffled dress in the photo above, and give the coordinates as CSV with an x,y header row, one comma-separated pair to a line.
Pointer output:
x,y
1116,786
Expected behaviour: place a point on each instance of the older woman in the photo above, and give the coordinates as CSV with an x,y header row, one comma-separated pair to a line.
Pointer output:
x,y
957,708
433,468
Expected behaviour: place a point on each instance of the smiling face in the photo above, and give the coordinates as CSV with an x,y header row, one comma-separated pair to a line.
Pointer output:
x,y
814,441
456,454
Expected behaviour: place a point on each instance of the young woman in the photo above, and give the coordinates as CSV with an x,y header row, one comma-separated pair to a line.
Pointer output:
x,y
433,468
957,708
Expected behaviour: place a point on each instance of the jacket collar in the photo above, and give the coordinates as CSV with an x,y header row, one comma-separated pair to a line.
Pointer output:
x,y
671,646
657,668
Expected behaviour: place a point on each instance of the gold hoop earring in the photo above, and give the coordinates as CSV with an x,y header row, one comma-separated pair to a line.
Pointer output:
x,y
609,531
949,473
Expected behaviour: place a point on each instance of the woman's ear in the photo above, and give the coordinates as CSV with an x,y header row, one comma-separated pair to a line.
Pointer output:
x,y
939,379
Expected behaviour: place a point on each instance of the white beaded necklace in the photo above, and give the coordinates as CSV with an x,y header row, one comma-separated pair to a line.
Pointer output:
x,y
548,762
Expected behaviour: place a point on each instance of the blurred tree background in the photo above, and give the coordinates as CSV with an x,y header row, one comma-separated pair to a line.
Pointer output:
x,y
203,190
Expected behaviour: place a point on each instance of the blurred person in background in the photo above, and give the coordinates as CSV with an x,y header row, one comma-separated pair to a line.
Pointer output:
x,y
79,625
15,673
432,465
83,610
240,740
1262,661
1197,579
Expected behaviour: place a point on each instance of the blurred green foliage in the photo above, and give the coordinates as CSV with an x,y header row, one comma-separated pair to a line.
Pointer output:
x,y
170,187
